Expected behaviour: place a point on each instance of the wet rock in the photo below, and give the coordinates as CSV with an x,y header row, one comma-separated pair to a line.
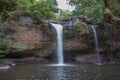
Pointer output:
x,y
6,65
2,67
9,63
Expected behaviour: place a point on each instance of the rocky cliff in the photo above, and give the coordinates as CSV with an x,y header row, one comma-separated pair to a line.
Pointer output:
x,y
32,37
29,36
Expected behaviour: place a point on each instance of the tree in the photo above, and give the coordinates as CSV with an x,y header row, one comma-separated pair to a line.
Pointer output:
x,y
43,8
94,8
6,7
64,13
91,9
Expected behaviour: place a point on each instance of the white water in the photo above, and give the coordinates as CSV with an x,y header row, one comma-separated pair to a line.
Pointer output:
x,y
96,44
59,31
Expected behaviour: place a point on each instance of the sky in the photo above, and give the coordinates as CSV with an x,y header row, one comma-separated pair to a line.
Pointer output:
x,y
63,4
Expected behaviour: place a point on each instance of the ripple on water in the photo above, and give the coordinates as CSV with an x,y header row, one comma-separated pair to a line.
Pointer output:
x,y
58,72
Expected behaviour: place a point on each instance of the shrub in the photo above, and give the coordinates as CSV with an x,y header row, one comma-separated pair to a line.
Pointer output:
x,y
77,27
4,47
68,34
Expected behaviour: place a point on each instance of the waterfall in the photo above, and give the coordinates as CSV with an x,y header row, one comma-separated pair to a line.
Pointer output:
x,y
96,44
59,31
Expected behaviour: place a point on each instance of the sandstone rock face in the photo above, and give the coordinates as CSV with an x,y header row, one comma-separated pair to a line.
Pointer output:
x,y
78,40
75,45
30,38
79,43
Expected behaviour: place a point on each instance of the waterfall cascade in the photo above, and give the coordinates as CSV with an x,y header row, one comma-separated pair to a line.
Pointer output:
x,y
59,48
59,31
96,44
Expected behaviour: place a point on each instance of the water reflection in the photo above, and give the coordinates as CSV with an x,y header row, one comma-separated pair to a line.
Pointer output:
x,y
78,72
59,74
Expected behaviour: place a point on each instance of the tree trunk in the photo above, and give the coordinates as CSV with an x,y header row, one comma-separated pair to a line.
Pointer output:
x,y
106,3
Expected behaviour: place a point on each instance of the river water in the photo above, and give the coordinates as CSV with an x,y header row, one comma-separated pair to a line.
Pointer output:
x,y
78,72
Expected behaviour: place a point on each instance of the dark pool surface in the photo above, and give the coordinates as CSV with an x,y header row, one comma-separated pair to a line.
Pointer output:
x,y
78,72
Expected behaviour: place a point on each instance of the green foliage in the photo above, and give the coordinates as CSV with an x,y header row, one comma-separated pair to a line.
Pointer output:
x,y
77,27
90,36
43,8
68,34
1,26
4,47
115,7
94,8
5,7
64,13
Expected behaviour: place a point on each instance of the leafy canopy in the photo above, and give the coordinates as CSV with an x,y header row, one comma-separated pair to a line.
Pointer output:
x,y
43,8
94,8
5,7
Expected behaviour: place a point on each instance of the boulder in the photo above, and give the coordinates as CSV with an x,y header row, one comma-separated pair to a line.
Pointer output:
x,y
6,65
9,63
2,67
